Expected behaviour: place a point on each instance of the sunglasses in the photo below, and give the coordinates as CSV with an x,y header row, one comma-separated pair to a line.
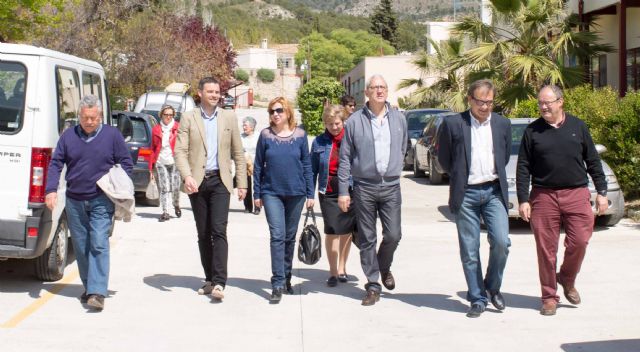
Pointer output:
x,y
278,111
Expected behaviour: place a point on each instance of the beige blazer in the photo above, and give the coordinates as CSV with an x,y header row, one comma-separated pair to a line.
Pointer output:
x,y
191,148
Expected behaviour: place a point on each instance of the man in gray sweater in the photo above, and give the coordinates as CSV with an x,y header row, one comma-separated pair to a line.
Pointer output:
x,y
372,152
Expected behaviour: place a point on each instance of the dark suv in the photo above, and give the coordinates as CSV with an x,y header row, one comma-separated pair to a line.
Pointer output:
x,y
425,152
140,148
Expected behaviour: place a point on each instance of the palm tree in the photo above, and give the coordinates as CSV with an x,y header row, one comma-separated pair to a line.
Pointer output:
x,y
444,66
525,47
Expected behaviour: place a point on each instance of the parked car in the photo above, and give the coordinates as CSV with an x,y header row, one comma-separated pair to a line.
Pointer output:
x,y
140,148
416,121
425,151
614,213
228,102
174,95
40,90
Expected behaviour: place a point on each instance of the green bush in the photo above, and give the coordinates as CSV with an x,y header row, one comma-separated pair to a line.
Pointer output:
x,y
311,99
266,75
527,108
242,75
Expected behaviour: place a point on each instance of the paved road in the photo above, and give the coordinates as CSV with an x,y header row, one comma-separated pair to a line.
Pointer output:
x,y
153,305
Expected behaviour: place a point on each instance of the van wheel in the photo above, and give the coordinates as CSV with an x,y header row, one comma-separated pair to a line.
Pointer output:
x,y
435,178
50,265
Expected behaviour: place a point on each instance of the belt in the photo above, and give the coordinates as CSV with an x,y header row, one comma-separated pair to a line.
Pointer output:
x,y
488,183
211,173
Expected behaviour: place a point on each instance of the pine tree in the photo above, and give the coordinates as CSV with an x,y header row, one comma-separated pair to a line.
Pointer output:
x,y
384,22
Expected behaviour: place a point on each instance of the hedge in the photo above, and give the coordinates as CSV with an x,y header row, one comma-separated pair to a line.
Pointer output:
x,y
266,75
311,99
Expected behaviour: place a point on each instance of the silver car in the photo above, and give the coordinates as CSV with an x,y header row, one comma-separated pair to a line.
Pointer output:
x,y
614,213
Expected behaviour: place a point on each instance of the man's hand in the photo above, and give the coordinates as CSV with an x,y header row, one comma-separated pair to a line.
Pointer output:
x,y
242,193
525,211
310,203
190,185
257,203
51,199
602,203
343,203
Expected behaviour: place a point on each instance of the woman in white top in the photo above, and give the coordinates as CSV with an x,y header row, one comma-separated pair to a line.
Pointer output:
x,y
163,141
249,141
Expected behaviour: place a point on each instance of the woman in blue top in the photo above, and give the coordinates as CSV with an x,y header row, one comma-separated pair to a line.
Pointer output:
x,y
282,182
338,225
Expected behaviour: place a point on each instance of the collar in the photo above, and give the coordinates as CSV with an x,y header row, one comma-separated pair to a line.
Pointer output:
x,y
84,134
475,121
370,113
209,117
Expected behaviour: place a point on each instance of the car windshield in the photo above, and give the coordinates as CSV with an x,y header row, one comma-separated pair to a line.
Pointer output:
x,y
517,130
140,134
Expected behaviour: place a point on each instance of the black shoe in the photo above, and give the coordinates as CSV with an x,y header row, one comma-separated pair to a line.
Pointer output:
x,y
164,217
276,296
96,302
178,211
247,211
388,281
343,278
84,297
288,288
497,300
475,310
256,212
332,281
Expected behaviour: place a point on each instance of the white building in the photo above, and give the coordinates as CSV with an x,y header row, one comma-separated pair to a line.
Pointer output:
x,y
257,58
438,31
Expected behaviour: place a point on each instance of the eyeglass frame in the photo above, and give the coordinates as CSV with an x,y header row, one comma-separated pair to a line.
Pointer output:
x,y
548,103
481,103
276,110
378,87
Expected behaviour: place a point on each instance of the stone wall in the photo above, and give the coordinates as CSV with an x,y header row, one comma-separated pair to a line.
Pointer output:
x,y
284,84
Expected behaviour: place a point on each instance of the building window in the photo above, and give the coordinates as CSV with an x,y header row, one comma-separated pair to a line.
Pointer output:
x,y
599,71
633,69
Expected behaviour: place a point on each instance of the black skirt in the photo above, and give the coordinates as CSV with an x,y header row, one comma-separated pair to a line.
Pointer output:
x,y
336,222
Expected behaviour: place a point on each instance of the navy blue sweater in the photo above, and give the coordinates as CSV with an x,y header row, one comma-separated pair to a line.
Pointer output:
x,y
87,162
283,165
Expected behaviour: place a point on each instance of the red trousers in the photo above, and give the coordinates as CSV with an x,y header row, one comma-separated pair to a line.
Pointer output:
x,y
550,209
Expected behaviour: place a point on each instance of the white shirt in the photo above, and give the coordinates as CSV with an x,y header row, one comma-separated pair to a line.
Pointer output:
x,y
166,154
249,143
483,165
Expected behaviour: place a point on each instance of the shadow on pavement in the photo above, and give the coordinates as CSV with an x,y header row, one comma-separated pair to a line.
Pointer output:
x,y
261,288
164,282
317,283
603,346
429,300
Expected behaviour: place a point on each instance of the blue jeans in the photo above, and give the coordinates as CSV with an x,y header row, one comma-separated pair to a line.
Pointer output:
x,y
90,222
483,200
283,215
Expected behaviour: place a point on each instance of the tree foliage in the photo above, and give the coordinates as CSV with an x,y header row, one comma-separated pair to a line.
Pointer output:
x,y
311,98
241,75
22,18
384,22
266,75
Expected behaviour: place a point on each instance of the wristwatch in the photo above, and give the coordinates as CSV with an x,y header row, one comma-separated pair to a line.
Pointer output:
x,y
602,193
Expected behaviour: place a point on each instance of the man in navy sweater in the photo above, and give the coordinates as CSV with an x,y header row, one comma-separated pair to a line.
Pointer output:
x,y
89,150
555,156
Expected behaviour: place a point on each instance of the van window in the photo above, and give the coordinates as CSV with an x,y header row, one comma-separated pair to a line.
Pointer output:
x,y
12,96
92,85
68,90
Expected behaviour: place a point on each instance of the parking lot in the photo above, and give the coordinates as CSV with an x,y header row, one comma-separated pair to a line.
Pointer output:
x,y
155,272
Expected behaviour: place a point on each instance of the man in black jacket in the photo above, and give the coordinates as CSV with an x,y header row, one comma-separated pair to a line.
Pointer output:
x,y
555,156
474,149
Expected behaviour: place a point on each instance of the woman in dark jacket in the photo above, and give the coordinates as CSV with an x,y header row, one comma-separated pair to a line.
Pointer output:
x,y
163,141
338,225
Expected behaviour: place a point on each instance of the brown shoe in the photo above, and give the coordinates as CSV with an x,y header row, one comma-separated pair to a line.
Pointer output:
x,y
388,281
164,217
548,308
371,298
96,302
570,292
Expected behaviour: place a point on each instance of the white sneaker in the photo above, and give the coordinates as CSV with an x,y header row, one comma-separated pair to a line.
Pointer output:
x,y
206,289
218,292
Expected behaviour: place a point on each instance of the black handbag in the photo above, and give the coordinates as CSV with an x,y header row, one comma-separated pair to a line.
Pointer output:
x,y
310,243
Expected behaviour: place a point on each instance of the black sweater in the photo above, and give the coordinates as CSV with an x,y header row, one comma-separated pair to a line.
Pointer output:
x,y
557,158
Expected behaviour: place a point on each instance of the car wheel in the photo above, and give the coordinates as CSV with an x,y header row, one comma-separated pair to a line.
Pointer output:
x,y
435,178
50,265
416,170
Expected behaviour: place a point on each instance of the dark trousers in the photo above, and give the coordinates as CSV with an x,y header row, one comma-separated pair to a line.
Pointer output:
x,y
370,202
248,200
211,212
549,210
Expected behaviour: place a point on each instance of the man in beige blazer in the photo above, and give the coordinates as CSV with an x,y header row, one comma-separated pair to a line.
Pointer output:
x,y
208,139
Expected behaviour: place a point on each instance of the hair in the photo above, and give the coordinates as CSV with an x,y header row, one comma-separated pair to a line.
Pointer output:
x,y
481,83
166,107
287,108
347,100
368,83
89,101
251,121
206,80
557,91
331,112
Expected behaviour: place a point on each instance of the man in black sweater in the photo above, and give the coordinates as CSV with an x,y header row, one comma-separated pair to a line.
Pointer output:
x,y
555,156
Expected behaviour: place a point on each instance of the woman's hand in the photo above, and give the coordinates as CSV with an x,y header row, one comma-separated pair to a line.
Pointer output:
x,y
257,203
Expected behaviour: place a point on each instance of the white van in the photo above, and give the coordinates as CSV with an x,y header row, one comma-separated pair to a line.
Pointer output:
x,y
40,90
174,94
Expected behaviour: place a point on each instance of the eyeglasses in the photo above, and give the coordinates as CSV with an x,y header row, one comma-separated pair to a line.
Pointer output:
x,y
478,102
382,88
277,111
168,115
547,103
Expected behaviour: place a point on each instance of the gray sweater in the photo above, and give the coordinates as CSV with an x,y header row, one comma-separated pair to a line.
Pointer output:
x,y
357,152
